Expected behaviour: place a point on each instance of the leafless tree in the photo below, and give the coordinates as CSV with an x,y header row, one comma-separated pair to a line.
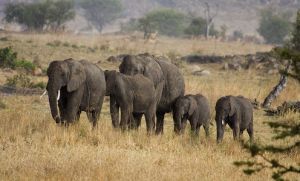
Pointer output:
x,y
209,17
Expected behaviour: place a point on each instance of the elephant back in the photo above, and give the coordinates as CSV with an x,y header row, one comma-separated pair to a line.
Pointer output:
x,y
174,86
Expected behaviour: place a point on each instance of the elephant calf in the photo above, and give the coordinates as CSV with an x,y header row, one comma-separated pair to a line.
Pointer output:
x,y
134,95
237,112
194,108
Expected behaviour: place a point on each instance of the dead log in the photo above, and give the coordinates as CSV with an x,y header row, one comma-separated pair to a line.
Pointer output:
x,y
7,90
277,89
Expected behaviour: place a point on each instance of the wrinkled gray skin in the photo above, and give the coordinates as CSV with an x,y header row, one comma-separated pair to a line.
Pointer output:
x,y
82,88
237,112
133,95
194,108
167,79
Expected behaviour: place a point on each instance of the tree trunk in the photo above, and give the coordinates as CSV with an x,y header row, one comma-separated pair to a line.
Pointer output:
x,y
277,89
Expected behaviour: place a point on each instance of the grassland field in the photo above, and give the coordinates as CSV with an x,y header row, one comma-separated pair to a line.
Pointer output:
x,y
33,147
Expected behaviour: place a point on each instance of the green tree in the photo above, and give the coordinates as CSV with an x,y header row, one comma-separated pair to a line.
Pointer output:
x,y
101,12
273,28
39,15
166,21
197,27
59,12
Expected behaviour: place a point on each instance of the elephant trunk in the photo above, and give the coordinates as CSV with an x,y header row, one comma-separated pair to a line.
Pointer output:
x,y
177,122
220,128
52,94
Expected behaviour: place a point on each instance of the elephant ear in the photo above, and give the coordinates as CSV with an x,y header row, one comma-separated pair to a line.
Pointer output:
x,y
232,105
192,106
77,76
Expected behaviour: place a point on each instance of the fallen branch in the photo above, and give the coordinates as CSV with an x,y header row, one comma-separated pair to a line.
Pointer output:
x,y
277,89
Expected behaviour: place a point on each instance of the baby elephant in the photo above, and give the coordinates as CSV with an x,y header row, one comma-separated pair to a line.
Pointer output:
x,y
194,108
134,95
237,112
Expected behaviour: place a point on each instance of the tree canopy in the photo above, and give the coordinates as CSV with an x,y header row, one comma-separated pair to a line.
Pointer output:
x,y
272,27
101,12
49,14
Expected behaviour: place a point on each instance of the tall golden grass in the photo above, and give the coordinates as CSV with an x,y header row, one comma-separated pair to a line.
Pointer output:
x,y
33,147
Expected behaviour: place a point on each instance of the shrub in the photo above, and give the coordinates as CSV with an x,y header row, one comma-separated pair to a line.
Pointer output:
x,y
7,57
23,81
20,80
2,105
26,65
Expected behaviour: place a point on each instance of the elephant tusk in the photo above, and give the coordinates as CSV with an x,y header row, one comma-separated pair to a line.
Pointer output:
x,y
223,122
43,94
58,96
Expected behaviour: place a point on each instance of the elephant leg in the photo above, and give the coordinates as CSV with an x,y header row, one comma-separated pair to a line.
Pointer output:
x,y
62,105
250,131
78,115
150,123
198,129
96,113
72,107
93,117
159,122
236,130
114,112
136,122
206,129
183,125
125,116
193,123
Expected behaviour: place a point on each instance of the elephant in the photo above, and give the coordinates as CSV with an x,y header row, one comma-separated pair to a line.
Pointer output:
x,y
194,108
133,95
81,86
237,112
168,81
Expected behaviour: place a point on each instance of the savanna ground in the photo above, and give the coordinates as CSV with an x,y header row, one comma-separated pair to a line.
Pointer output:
x,y
33,147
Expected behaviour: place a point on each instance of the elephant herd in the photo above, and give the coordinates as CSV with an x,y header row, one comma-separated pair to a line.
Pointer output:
x,y
145,85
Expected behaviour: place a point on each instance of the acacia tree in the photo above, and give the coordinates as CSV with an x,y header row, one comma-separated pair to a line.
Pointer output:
x,y
40,15
101,12
59,12
166,21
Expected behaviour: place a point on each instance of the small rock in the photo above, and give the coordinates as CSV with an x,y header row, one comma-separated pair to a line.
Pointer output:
x,y
201,73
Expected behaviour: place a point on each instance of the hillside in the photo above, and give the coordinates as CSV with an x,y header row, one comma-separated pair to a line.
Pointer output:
x,y
242,15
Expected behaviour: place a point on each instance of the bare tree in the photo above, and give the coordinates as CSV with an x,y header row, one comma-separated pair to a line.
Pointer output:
x,y
209,17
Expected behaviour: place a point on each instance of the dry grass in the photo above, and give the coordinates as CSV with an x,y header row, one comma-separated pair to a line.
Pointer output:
x,y
32,147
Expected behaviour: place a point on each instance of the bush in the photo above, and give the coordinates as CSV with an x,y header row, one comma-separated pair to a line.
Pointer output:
x,y
273,28
2,105
7,57
23,81
26,65
20,80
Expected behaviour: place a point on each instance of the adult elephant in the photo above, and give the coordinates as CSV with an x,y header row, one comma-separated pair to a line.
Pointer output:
x,y
81,86
167,79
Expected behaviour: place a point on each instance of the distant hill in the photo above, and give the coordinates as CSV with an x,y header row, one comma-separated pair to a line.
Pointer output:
x,y
240,15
